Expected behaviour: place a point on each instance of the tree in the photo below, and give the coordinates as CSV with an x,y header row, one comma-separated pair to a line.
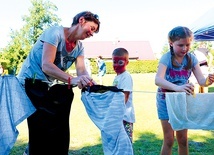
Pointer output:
x,y
40,18
165,49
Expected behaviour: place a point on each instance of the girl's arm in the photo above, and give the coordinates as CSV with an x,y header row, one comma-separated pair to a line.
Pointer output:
x,y
160,79
163,83
202,81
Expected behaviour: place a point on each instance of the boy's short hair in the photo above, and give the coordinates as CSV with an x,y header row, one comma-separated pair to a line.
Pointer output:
x,y
120,52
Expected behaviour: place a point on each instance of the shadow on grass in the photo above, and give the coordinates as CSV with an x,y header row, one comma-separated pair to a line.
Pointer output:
x,y
202,148
147,144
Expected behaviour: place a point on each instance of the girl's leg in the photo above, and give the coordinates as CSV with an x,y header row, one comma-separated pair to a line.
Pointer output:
x,y
168,138
182,142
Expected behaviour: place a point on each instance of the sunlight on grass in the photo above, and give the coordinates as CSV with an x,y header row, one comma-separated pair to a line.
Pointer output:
x,y
200,135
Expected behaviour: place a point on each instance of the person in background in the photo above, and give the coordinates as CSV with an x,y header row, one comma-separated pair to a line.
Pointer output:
x,y
123,80
101,69
174,70
54,52
205,59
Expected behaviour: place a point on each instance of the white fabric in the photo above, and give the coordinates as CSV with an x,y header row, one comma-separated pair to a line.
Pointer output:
x,y
15,106
200,56
106,110
190,112
124,81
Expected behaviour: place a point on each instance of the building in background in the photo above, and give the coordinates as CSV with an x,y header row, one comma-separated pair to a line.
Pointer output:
x,y
138,50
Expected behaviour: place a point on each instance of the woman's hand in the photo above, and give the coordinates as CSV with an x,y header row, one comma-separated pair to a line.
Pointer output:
x,y
83,81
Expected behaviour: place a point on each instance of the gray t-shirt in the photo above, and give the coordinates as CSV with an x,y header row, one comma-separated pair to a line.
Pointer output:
x,y
63,60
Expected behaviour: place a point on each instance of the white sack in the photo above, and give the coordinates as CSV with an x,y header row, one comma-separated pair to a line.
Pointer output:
x,y
106,110
190,112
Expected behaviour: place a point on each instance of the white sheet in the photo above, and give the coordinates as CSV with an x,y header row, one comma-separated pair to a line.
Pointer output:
x,y
15,106
190,112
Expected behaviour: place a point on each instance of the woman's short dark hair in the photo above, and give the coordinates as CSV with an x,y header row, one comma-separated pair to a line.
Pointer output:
x,y
88,16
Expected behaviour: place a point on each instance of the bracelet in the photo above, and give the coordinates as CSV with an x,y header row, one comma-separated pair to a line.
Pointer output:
x,y
69,82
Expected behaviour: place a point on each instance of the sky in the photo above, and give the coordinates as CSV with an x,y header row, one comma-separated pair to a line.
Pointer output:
x,y
121,20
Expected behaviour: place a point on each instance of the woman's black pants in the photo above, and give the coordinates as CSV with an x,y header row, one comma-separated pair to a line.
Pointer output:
x,y
49,132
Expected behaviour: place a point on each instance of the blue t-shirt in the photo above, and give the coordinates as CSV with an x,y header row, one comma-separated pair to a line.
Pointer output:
x,y
63,60
177,75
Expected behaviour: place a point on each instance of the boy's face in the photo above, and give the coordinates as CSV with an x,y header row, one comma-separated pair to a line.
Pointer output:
x,y
119,63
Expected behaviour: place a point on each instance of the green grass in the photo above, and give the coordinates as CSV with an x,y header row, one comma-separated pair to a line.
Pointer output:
x,y
85,136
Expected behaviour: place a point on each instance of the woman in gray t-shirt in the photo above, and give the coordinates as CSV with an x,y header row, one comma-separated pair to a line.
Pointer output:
x,y
54,52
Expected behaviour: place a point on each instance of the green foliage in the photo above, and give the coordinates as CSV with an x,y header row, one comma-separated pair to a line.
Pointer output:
x,y
41,17
165,49
143,66
134,66
140,66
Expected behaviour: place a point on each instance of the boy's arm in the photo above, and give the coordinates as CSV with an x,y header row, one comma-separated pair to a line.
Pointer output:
x,y
126,93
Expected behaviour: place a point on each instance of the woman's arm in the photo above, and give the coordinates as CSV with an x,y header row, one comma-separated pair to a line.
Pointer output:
x,y
49,68
80,66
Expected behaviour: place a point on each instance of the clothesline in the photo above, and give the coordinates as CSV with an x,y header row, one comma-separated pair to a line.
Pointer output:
x,y
153,92
143,91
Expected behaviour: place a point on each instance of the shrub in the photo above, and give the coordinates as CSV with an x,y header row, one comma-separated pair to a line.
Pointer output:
x,y
134,66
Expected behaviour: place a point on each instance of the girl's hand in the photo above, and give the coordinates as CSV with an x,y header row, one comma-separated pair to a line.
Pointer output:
x,y
187,88
210,79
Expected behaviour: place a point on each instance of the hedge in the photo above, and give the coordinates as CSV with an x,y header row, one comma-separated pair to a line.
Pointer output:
x,y
134,66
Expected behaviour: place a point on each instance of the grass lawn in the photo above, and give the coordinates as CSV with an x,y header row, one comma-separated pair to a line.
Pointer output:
x,y
85,136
